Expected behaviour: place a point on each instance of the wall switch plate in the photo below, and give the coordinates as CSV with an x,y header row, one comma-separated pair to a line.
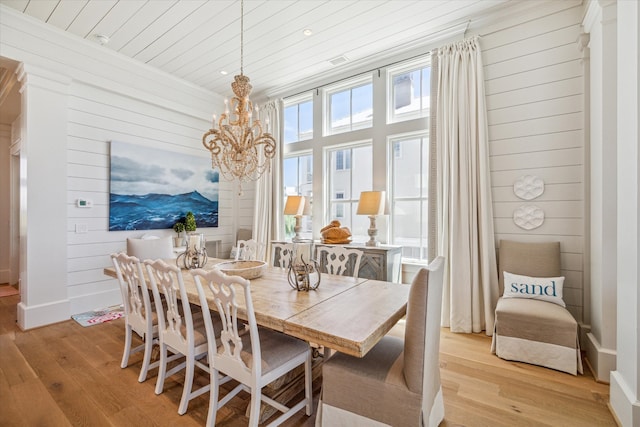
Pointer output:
x,y
82,228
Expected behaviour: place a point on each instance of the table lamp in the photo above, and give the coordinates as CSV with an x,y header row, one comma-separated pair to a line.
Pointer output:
x,y
372,203
297,206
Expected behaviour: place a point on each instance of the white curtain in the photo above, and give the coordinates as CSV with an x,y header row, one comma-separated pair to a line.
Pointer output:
x,y
464,211
267,215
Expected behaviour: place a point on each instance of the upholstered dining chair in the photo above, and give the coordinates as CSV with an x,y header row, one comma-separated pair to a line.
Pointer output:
x,y
179,331
339,260
159,248
247,250
536,331
254,359
397,383
139,314
281,254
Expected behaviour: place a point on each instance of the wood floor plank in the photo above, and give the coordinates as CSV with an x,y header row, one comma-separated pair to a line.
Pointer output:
x,y
74,374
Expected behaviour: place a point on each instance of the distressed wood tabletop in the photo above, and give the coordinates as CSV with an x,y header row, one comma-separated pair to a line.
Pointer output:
x,y
346,314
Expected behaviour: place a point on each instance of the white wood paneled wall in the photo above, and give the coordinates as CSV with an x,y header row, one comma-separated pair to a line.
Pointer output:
x,y
534,84
96,117
111,98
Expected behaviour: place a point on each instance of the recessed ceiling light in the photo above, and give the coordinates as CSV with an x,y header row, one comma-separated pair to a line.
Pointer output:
x,y
307,31
101,38
223,72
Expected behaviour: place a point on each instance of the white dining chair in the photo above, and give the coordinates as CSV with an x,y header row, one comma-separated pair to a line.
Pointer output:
x,y
281,254
397,383
254,359
339,260
180,332
247,250
139,315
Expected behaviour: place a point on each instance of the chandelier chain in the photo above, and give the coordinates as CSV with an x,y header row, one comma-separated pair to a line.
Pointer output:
x,y
241,37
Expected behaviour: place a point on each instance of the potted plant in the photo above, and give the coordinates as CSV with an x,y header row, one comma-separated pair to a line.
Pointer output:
x,y
178,227
190,222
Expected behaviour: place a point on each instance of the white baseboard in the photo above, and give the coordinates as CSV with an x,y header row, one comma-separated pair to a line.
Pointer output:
x,y
624,405
34,316
601,360
83,303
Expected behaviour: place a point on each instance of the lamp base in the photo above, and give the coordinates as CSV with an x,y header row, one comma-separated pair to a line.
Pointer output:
x,y
373,232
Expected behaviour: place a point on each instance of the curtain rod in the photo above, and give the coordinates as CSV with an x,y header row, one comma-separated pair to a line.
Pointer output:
x,y
317,88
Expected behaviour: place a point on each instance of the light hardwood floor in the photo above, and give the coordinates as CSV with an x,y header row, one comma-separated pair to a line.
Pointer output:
x,y
65,374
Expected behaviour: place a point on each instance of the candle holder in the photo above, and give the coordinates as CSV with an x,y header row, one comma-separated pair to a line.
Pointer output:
x,y
303,275
196,254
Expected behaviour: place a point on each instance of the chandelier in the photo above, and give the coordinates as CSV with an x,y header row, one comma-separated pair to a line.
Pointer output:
x,y
239,147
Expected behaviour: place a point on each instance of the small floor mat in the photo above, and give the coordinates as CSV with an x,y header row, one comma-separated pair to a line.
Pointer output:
x,y
95,317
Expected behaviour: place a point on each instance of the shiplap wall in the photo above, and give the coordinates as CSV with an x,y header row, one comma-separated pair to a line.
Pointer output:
x,y
96,117
534,84
113,98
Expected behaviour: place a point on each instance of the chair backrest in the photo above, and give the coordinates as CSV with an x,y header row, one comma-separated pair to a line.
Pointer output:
x,y
534,259
226,292
422,333
175,321
135,294
281,254
160,248
339,260
247,250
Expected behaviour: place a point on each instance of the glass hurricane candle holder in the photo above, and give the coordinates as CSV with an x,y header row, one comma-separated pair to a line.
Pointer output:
x,y
304,272
196,254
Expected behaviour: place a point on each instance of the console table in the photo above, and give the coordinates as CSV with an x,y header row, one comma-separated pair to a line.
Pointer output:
x,y
382,262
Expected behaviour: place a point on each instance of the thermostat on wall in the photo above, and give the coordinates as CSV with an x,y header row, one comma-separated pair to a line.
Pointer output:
x,y
84,203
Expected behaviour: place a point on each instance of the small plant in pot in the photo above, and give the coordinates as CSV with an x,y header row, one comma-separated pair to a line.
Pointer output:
x,y
178,227
190,222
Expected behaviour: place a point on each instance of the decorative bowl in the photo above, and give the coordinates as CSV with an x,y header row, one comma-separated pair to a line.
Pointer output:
x,y
247,269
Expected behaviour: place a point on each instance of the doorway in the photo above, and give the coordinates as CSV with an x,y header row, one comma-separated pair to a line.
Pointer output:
x,y
10,109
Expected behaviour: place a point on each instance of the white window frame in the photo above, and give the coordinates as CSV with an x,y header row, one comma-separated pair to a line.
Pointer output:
x,y
349,84
392,72
296,101
424,173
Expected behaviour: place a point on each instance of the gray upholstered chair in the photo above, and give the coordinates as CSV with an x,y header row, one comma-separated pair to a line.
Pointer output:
x,y
530,330
398,382
143,249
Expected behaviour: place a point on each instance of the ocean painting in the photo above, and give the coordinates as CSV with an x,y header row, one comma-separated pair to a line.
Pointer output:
x,y
152,188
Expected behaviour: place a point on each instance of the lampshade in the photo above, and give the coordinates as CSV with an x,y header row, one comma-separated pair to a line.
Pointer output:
x,y
371,203
295,205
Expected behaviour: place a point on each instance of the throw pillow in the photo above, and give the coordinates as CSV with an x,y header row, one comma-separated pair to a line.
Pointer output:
x,y
543,288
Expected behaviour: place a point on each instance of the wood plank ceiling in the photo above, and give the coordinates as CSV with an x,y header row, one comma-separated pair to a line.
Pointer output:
x,y
196,40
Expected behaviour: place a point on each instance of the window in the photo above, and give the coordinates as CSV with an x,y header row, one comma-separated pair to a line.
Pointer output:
x,y
409,91
343,159
360,151
298,179
350,106
345,185
298,119
409,195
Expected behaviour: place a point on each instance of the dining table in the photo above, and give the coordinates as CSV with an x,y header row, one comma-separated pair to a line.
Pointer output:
x,y
346,314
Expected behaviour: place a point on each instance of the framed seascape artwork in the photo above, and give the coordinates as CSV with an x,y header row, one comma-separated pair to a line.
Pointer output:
x,y
153,189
